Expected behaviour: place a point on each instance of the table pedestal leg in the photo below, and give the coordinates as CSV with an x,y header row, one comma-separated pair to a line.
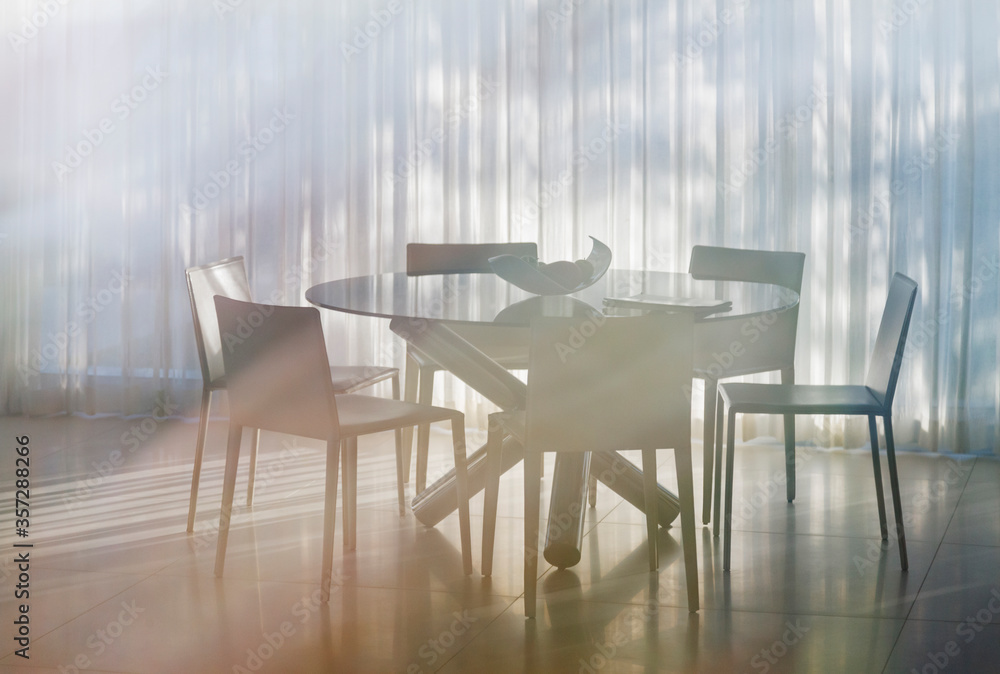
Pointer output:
x,y
625,479
440,499
569,500
564,534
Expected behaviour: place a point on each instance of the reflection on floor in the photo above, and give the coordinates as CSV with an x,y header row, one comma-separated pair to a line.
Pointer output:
x,y
117,586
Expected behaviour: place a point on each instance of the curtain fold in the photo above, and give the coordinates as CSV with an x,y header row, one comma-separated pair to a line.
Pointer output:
x,y
316,139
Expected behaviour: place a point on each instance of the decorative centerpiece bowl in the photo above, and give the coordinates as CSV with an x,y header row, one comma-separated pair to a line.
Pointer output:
x,y
556,278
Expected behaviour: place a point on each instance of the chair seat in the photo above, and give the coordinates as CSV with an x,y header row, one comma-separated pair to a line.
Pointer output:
x,y
362,414
800,399
346,378
350,378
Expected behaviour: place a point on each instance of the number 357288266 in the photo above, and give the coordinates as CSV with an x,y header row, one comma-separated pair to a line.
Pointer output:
x,y
22,472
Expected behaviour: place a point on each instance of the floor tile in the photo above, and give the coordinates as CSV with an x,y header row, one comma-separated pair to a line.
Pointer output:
x,y
935,646
963,581
977,516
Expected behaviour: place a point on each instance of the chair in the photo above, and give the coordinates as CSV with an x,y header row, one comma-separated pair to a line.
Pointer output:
x,y
278,379
623,388
504,344
229,278
873,399
776,351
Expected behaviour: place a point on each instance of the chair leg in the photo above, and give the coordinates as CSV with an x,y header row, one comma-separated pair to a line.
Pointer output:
x,y
685,489
400,493
494,442
651,505
228,491
592,491
409,395
788,378
345,488
254,446
877,466
727,534
719,428
711,391
199,452
462,490
349,458
424,430
532,504
329,517
400,472
890,450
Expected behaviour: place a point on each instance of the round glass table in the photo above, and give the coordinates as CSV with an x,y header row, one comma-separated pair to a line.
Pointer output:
x,y
423,310
488,299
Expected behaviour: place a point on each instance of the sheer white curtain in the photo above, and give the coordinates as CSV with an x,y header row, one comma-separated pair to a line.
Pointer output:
x,y
317,138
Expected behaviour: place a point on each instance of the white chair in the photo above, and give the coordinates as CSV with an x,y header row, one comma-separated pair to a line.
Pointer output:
x,y
505,345
229,278
623,388
278,379
873,399
774,352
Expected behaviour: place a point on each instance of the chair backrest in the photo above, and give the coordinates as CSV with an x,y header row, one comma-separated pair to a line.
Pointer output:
x,y
227,278
609,383
277,370
460,258
887,356
756,266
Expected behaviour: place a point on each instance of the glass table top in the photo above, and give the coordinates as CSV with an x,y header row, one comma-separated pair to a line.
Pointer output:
x,y
486,298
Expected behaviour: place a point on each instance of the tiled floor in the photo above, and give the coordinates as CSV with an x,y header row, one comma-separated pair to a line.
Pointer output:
x,y
117,586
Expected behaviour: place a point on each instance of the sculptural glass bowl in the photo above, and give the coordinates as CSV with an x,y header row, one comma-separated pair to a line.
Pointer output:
x,y
527,276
